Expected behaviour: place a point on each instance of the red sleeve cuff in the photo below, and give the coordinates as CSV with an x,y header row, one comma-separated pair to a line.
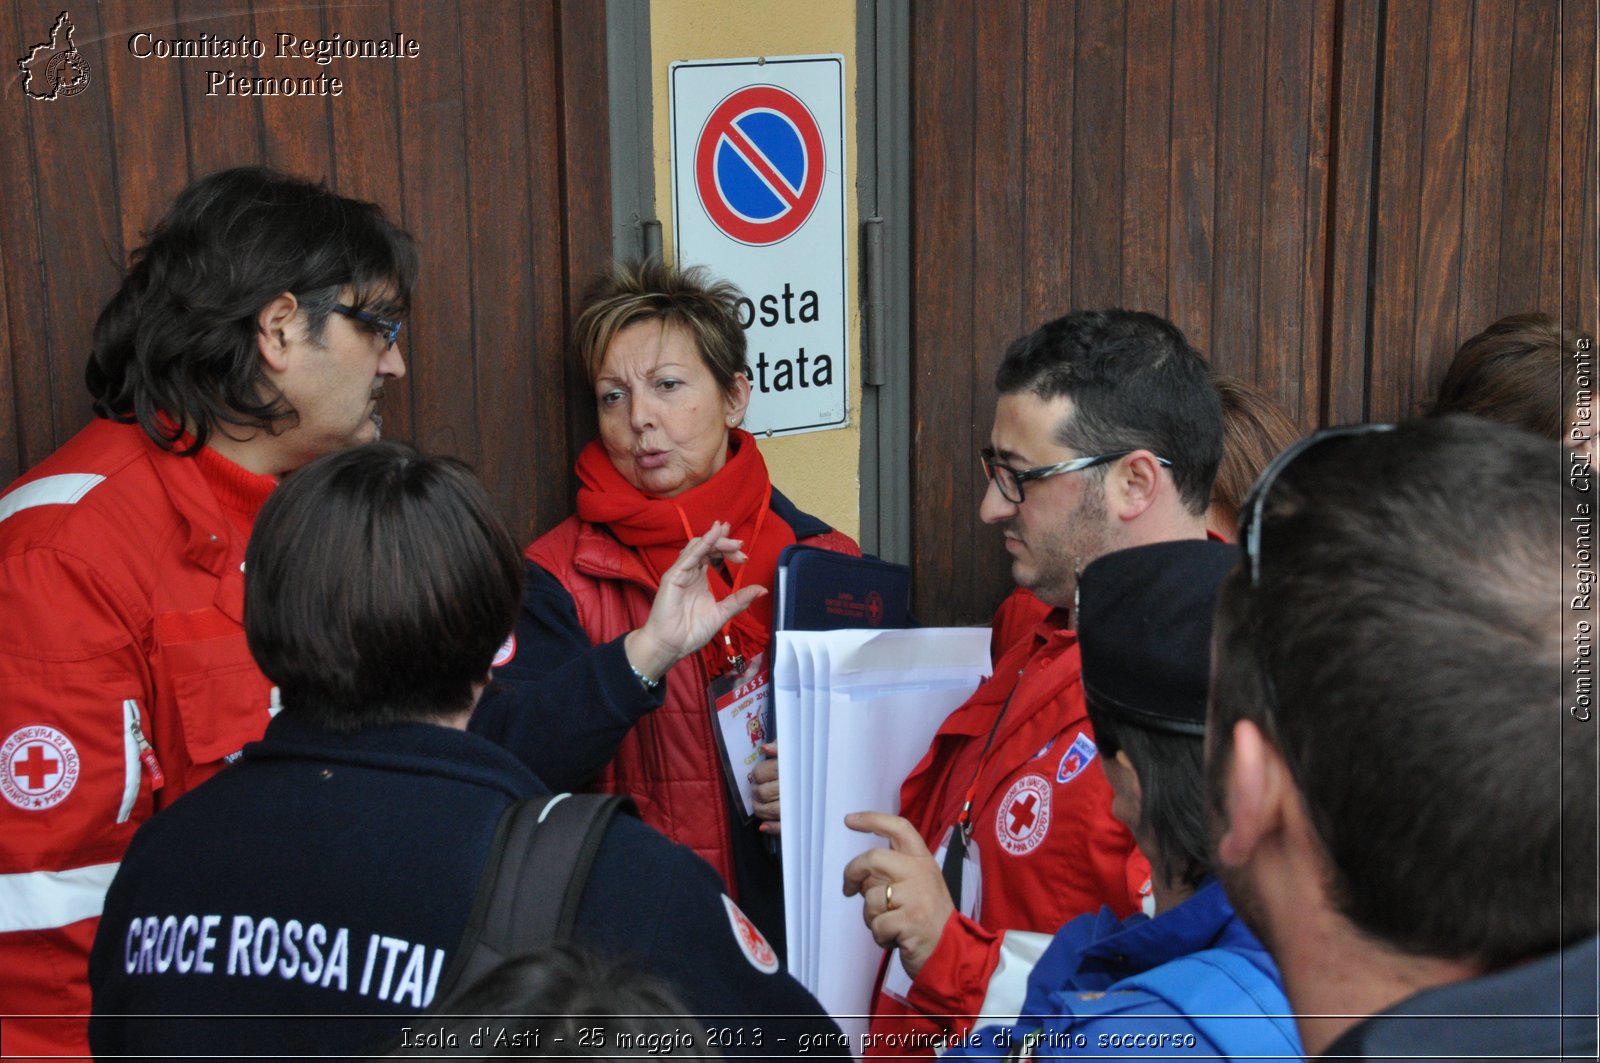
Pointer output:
x,y
956,976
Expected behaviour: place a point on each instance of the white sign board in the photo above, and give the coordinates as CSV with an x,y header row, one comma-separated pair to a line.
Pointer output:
x,y
758,197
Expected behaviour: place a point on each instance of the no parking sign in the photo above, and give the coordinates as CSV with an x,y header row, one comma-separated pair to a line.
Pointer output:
x,y
758,190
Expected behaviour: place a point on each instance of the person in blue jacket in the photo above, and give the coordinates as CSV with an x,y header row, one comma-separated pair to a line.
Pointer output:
x,y
311,898
1189,981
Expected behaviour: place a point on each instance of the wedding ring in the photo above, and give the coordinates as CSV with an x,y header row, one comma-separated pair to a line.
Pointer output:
x,y
888,897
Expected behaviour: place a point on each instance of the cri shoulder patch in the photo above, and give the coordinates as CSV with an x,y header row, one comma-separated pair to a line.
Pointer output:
x,y
507,650
751,942
1076,758
38,767
1023,818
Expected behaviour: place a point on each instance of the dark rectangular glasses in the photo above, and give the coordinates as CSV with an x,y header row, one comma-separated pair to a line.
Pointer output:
x,y
389,330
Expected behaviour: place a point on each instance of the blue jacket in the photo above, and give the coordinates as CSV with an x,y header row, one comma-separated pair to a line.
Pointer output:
x,y
1191,983
331,875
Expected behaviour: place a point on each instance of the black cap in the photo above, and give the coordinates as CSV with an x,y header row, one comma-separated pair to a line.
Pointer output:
x,y
1144,628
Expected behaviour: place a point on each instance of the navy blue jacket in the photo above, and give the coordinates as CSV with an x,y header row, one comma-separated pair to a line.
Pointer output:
x,y
331,875
1543,1009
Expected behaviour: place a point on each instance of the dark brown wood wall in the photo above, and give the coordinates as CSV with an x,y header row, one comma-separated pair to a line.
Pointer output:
x,y
490,147
1328,196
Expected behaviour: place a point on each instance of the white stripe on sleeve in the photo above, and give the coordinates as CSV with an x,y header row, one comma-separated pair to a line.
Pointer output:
x,y
60,490
1008,985
47,900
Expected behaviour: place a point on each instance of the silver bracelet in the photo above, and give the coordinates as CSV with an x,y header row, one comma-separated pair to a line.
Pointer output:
x,y
650,685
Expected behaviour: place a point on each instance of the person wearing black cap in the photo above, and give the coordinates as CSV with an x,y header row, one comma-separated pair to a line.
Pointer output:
x,y
1198,981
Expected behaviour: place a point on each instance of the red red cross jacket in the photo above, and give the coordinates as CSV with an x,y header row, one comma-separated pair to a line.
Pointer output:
x,y
122,656
1048,848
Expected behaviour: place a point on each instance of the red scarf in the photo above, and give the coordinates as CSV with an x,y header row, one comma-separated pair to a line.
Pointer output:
x,y
658,528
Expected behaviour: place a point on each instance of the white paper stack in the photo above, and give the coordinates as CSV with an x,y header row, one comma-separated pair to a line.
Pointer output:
x,y
855,711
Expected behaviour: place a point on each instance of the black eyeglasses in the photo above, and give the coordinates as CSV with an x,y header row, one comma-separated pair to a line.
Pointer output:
x,y
1010,480
1256,501
389,330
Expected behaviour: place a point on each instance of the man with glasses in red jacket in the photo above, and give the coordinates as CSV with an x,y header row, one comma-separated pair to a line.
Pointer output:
x,y
1107,435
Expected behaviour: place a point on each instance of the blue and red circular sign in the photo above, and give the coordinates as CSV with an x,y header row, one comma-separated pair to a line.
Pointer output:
x,y
758,166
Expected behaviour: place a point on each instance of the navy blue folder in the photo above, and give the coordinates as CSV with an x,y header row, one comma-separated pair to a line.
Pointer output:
x,y
820,590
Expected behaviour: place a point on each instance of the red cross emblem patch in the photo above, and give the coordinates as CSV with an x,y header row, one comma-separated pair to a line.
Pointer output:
x,y
38,768
751,941
1024,815
507,650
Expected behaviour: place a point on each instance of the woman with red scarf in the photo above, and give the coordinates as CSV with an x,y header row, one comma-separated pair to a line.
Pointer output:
x,y
655,589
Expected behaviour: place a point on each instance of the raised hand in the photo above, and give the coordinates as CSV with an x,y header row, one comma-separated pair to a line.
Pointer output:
x,y
685,615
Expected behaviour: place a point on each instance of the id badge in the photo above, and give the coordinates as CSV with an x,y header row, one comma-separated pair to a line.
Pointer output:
x,y
739,703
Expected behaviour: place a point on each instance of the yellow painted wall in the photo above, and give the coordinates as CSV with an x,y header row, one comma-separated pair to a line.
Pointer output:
x,y
819,471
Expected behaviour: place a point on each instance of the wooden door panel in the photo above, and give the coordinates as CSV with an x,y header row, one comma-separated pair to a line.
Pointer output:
x,y
1327,197
490,147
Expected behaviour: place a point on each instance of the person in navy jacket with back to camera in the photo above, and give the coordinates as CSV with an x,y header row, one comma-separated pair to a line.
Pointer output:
x,y
313,897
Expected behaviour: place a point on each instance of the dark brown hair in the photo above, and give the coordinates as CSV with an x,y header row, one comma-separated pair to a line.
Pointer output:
x,y
175,348
1403,651
559,993
378,586
1135,384
1521,371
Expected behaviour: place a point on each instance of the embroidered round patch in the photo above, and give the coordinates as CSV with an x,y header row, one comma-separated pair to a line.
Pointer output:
x,y
1024,815
507,650
751,943
38,768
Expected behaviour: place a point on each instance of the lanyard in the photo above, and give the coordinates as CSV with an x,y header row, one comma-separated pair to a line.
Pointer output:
x,y
955,853
735,657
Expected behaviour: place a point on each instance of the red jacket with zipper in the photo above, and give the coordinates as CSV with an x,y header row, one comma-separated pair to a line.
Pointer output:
x,y
1048,848
121,613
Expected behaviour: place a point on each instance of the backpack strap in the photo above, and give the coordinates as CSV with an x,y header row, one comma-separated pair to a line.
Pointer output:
x,y
531,884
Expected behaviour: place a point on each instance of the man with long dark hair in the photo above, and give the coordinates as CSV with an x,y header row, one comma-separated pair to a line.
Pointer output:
x,y
253,331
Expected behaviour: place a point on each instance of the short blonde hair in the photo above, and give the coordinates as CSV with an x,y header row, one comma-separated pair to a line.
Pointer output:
x,y
655,290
